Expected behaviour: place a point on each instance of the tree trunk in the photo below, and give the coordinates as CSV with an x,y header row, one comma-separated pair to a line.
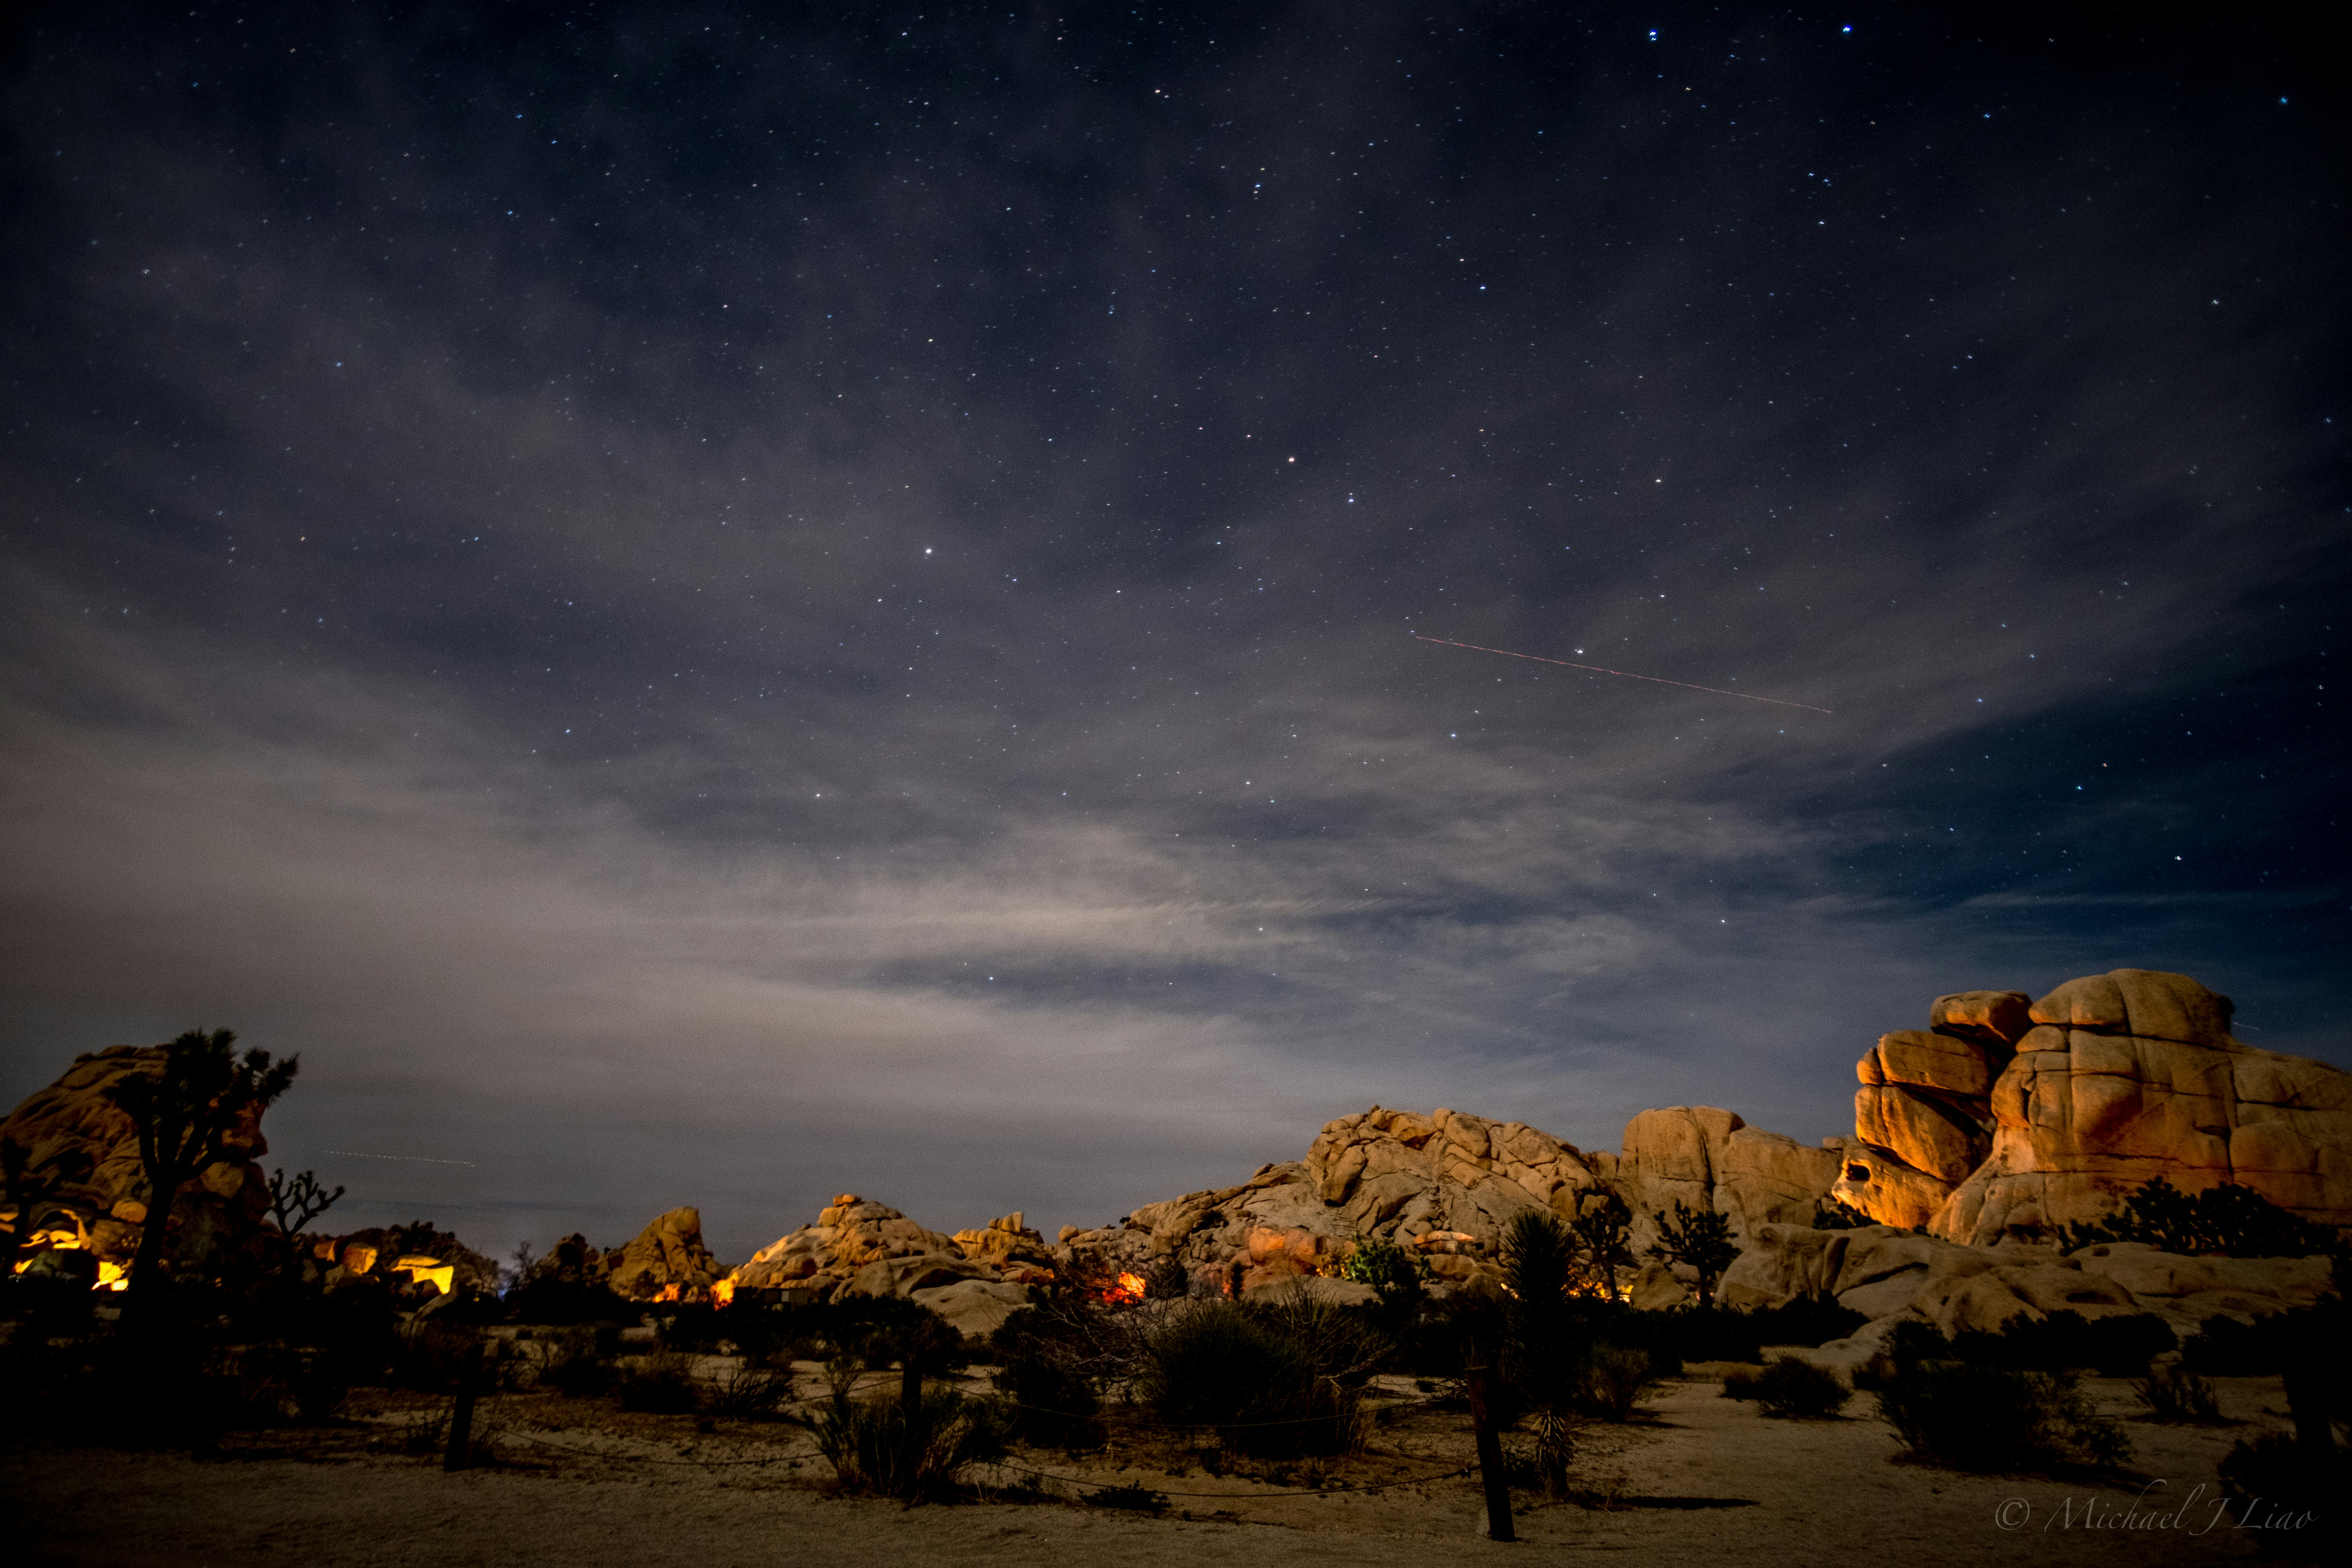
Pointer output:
x,y
147,1265
1490,1459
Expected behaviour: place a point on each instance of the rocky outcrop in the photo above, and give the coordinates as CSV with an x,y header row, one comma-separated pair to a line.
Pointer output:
x,y
417,1262
668,1261
1712,1159
1885,1273
974,1308
88,1190
1448,1184
862,1248
2006,1119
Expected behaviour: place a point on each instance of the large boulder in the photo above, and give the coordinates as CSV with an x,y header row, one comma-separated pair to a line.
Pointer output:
x,y
668,1261
82,1156
976,1308
830,1256
1712,1161
1981,1129
1890,1273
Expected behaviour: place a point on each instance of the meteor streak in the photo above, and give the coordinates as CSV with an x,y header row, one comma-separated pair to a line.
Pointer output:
x,y
1602,670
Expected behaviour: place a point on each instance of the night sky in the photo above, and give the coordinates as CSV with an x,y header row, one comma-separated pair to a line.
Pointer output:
x,y
704,607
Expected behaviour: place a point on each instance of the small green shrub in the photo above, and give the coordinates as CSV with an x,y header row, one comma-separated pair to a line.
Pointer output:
x,y
918,1452
1617,1379
1990,1418
2177,1396
1790,1389
660,1384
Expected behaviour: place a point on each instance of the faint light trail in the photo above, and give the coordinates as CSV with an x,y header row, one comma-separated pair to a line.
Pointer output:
x,y
1603,669
411,1158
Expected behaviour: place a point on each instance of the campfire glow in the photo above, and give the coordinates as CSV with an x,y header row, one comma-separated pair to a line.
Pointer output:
x,y
722,1292
110,1275
431,1271
1129,1289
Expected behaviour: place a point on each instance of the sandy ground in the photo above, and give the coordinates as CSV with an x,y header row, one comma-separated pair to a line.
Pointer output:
x,y
587,1487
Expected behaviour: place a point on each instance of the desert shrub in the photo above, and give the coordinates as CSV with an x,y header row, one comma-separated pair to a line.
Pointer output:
x,y
579,1362
753,1391
1617,1379
1739,1383
775,1335
915,1450
1399,1275
428,1355
1836,1213
2228,1220
1050,1405
1982,1418
2176,1396
2118,1346
2225,1347
885,1330
1274,1381
2286,1493
1717,1334
659,1385
692,1326
1790,1389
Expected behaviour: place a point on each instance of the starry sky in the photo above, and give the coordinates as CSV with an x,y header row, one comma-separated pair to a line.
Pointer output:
x,y
722,605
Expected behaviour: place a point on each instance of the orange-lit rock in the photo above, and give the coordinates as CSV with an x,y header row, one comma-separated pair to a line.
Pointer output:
x,y
667,1255
87,1154
2118,1078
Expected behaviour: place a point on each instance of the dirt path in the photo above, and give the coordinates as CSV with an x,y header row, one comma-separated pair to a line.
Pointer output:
x,y
1752,1490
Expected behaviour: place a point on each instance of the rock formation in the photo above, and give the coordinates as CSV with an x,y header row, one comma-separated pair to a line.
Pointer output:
x,y
2006,1119
668,1261
864,1249
1898,1275
89,1191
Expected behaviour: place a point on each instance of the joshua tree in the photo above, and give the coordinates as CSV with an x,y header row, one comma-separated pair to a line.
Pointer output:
x,y
296,1204
1699,1237
184,1116
1602,1227
1544,1351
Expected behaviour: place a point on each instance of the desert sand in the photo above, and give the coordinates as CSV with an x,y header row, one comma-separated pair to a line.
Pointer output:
x,y
580,1486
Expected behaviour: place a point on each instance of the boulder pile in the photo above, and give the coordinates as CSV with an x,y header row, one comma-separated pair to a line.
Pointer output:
x,y
666,1262
2007,1119
85,1190
1893,1276
865,1248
